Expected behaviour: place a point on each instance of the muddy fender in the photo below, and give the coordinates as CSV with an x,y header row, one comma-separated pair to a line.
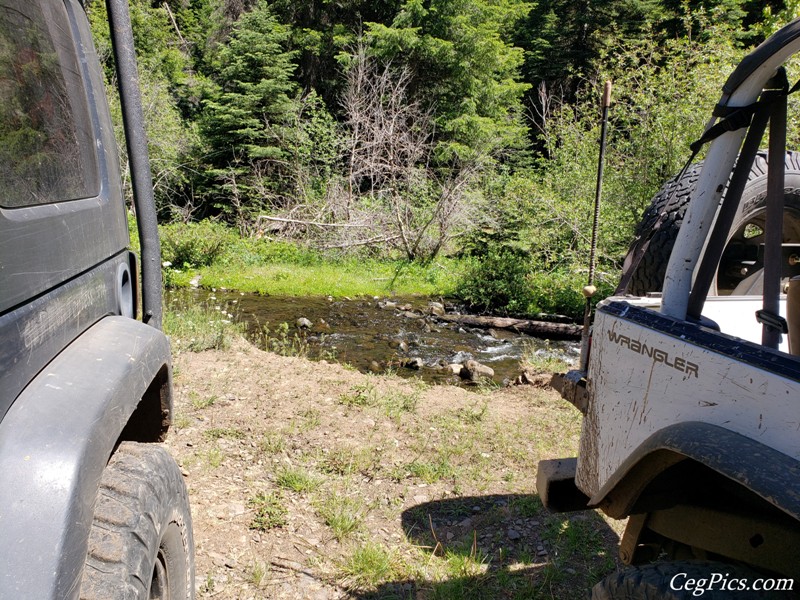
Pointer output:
x,y
770,474
55,442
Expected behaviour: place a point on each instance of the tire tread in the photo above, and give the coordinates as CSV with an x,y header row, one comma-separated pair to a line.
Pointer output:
x,y
125,534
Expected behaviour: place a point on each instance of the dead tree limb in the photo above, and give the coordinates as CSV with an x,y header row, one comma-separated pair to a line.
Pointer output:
x,y
314,223
542,329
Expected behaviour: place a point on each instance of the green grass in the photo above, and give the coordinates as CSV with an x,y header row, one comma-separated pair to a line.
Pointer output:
x,y
199,327
200,402
542,361
258,573
392,402
346,461
579,544
318,276
273,442
297,480
342,514
360,395
431,471
269,511
214,457
307,420
370,565
229,433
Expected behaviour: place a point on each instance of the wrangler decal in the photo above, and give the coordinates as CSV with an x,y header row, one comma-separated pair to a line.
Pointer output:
x,y
659,356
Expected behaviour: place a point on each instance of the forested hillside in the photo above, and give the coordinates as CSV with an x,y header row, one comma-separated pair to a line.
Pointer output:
x,y
422,128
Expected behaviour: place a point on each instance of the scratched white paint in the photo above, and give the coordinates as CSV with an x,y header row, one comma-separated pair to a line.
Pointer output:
x,y
635,395
735,315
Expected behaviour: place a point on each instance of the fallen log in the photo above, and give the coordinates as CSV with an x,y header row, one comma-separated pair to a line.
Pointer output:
x,y
542,329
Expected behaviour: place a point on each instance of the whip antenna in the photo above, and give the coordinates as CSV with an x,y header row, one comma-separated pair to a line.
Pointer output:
x,y
590,288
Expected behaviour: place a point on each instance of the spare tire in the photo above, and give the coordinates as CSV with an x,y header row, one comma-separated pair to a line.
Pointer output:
x,y
662,220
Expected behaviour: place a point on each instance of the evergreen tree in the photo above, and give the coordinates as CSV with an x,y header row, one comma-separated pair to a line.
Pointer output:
x,y
563,38
321,30
464,66
247,116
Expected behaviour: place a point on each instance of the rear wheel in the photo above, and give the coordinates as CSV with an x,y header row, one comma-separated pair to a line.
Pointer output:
x,y
140,544
682,580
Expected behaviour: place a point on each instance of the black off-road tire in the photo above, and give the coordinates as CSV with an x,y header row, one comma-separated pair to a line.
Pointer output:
x,y
140,545
653,582
672,200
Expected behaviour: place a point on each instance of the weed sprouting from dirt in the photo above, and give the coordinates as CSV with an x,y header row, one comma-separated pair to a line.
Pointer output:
x,y
201,402
369,565
297,480
273,442
397,403
344,515
393,402
431,471
359,395
269,511
181,421
308,419
222,432
474,414
258,573
213,457
346,461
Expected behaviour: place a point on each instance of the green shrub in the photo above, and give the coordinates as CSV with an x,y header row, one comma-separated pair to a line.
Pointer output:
x,y
557,293
497,282
508,283
194,244
269,511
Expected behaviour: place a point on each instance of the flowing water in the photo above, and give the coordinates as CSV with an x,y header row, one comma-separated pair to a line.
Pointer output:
x,y
375,334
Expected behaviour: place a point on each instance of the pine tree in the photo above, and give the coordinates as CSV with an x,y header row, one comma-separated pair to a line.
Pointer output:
x,y
248,115
464,66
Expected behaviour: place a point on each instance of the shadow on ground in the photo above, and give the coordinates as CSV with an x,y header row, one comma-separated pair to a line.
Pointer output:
x,y
503,546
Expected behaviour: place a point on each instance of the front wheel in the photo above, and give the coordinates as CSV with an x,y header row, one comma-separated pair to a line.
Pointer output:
x,y
140,544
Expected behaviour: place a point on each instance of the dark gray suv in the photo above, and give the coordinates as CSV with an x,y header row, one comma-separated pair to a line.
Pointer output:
x,y
90,506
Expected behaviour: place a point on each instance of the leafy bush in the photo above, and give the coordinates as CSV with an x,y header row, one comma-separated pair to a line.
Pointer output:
x,y
194,244
498,281
509,283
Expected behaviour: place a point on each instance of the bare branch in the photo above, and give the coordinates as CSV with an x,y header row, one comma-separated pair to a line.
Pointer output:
x,y
314,223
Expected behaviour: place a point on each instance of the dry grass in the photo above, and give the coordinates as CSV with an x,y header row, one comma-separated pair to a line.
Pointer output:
x,y
390,489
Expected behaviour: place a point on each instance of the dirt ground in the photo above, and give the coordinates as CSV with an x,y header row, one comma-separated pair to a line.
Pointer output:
x,y
311,480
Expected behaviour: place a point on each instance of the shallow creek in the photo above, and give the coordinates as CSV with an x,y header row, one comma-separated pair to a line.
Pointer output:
x,y
376,334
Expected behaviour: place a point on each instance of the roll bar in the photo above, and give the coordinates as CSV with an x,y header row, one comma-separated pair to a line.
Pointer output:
x,y
136,142
742,88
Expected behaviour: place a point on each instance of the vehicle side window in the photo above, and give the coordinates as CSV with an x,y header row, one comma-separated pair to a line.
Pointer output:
x,y
46,141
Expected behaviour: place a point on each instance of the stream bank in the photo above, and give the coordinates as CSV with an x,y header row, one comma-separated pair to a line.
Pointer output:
x,y
405,335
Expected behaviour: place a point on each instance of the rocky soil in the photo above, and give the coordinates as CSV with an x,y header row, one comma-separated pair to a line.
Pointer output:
x,y
310,480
